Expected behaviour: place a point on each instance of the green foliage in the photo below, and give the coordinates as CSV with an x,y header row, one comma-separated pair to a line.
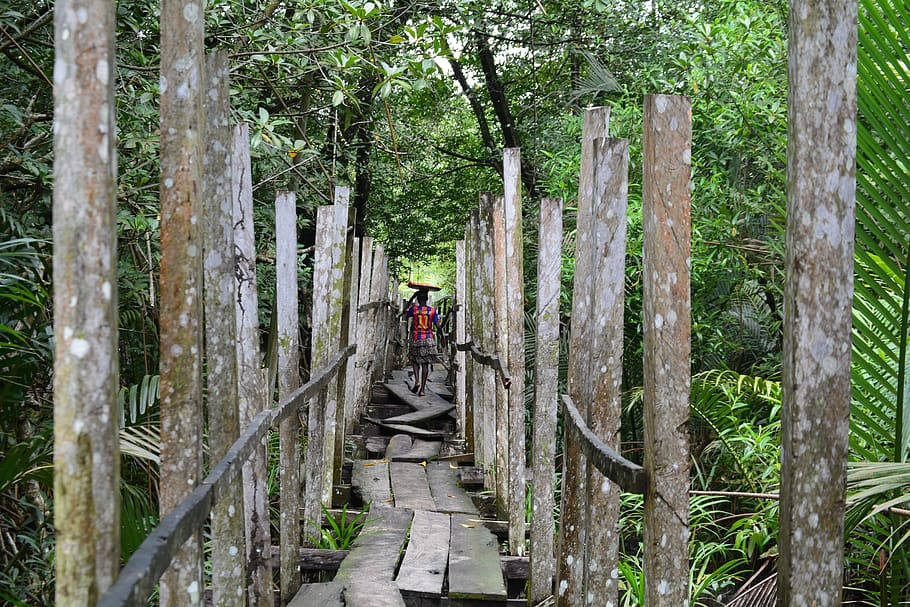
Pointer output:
x,y
342,531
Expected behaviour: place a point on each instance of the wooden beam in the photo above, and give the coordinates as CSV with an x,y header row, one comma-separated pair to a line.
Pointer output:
x,y
342,244
460,371
365,324
475,324
486,310
570,551
821,186
501,347
546,378
351,375
228,536
86,456
666,320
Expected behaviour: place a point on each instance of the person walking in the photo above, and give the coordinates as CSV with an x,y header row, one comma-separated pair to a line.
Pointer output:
x,y
422,352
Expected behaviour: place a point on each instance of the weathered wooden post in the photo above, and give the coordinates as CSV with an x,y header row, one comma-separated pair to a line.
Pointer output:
x,y
570,552
460,374
86,454
610,195
666,322
228,537
821,186
351,378
378,286
338,304
182,67
251,390
365,332
288,381
474,320
511,168
546,377
501,349
487,322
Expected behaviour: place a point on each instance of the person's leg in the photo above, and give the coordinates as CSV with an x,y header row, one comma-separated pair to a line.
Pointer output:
x,y
416,377
425,368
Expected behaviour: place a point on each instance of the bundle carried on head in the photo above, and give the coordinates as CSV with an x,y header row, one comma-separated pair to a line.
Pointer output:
x,y
422,286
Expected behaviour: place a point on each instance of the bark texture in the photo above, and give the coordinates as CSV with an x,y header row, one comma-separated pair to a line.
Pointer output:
x,y
501,349
86,454
486,310
667,321
546,378
821,187
365,321
460,300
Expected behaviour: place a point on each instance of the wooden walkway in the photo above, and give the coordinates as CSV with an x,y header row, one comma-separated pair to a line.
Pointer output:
x,y
425,543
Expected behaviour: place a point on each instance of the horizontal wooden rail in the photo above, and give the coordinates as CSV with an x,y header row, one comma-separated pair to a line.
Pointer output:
x,y
372,305
486,359
138,577
630,477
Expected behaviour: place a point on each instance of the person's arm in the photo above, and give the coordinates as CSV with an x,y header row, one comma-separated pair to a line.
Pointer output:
x,y
407,308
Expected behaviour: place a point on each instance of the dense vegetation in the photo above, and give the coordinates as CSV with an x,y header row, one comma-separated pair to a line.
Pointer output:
x,y
411,103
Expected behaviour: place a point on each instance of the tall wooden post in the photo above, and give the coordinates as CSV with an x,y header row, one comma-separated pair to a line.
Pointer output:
x,y
377,293
821,186
251,388
501,349
351,377
288,381
487,321
666,320
86,454
511,163
182,68
228,539
460,300
338,309
546,377
610,195
477,391
365,332
570,553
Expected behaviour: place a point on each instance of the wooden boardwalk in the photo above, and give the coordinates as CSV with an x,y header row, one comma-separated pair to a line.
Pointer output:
x,y
425,543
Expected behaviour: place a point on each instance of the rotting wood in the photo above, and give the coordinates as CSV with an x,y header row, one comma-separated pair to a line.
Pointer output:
x,y
370,481
410,487
487,313
443,479
398,445
288,381
377,550
377,293
610,196
418,403
326,594
180,311
666,322
546,374
365,330
474,569
424,415
363,591
250,385
423,569
460,371
86,455
475,322
821,188
511,169
351,378
470,382
570,549
501,345
228,536
412,430
420,451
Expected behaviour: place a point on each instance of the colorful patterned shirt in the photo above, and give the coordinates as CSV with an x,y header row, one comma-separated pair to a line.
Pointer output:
x,y
424,317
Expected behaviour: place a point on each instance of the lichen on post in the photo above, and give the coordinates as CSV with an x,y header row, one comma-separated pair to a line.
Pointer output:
x,y
821,188
501,349
487,320
666,320
460,299
86,454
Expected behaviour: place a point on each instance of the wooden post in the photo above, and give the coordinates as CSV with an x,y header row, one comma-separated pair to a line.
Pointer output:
x,y
546,377
250,383
382,317
501,349
570,553
86,454
323,346
474,321
182,67
351,377
338,304
666,321
511,163
487,321
610,197
288,381
821,186
365,332
228,538
460,300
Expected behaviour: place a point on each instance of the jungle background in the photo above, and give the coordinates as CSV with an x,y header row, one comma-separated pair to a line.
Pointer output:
x,y
411,102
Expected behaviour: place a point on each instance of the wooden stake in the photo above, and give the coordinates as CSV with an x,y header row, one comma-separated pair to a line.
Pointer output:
x,y
228,537
821,185
460,302
501,348
86,454
511,163
250,384
365,332
570,554
288,381
610,196
546,377
666,321
475,324
487,314
338,303
351,375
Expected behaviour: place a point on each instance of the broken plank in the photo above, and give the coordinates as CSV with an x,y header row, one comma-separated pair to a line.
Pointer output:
x,y
421,451
398,445
410,488
376,551
412,430
370,480
474,566
319,595
423,415
446,492
418,403
423,569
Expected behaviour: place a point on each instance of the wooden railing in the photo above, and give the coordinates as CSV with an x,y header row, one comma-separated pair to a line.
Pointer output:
x,y
138,578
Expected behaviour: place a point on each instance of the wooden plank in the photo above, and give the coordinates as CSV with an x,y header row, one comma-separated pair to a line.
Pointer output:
x,y
821,189
400,390
376,444
412,430
546,376
470,476
474,566
328,594
423,569
376,551
398,445
370,480
424,415
666,321
410,487
420,451
449,496
570,550
373,593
